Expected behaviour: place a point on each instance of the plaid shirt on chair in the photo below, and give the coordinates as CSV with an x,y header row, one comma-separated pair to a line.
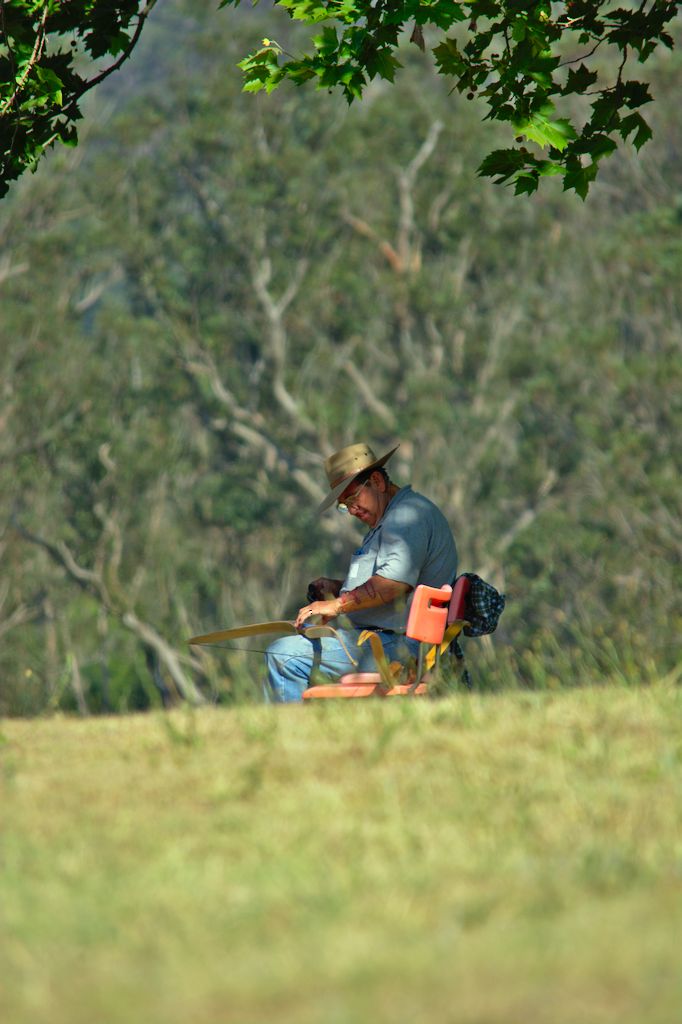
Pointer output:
x,y
483,606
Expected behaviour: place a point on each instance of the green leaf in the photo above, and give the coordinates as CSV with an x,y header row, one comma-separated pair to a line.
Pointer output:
x,y
51,84
313,11
383,64
635,123
538,128
605,113
599,146
548,168
579,80
526,183
449,59
635,94
485,9
502,164
298,72
327,43
69,135
580,178
259,69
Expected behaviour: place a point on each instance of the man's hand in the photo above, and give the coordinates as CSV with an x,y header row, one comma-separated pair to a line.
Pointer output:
x,y
326,610
377,591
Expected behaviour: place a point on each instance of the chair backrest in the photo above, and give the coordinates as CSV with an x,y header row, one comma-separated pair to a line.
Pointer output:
x,y
459,593
433,609
429,613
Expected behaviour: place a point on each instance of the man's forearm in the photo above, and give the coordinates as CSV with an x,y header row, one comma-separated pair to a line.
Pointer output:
x,y
377,591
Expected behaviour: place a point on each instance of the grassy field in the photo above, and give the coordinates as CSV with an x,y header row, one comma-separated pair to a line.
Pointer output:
x,y
498,859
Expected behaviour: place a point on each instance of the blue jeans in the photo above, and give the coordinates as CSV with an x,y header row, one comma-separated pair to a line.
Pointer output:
x,y
291,659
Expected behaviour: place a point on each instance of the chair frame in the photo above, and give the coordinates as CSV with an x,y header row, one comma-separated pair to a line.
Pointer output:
x,y
435,620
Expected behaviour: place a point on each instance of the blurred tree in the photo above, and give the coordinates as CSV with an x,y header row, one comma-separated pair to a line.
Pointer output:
x,y
230,287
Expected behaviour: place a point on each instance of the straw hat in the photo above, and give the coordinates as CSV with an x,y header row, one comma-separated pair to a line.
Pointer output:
x,y
342,467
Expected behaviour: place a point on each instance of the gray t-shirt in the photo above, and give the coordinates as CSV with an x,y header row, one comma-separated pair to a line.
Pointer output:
x,y
411,543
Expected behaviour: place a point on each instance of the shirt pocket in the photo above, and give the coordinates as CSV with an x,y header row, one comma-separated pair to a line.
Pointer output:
x,y
360,569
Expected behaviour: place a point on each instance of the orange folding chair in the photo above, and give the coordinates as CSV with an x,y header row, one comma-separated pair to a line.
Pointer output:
x,y
435,620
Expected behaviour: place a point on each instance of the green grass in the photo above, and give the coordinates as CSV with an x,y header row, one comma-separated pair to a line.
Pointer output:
x,y
505,858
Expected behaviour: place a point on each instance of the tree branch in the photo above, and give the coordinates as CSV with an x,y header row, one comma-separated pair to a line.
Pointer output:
x,y
407,177
375,405
385,248
141,19
523,520
32,61
167,654
7,270
275,309
62,555
21,614
93,583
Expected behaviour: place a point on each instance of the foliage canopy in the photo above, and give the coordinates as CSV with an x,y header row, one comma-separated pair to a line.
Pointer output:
x,y
530,61
47,54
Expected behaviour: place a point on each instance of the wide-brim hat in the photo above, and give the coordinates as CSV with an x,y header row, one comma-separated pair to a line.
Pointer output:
x,y
343,466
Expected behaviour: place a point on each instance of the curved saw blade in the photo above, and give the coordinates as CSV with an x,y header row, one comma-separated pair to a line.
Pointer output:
x,y
313,632
238,632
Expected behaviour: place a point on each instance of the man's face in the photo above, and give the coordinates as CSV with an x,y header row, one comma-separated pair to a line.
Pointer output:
x,y
367,501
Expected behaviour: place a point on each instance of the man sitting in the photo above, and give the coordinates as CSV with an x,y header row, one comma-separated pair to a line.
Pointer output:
x,y
408,542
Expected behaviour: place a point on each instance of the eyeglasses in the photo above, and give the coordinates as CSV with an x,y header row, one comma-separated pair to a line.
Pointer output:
x,y
348,503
